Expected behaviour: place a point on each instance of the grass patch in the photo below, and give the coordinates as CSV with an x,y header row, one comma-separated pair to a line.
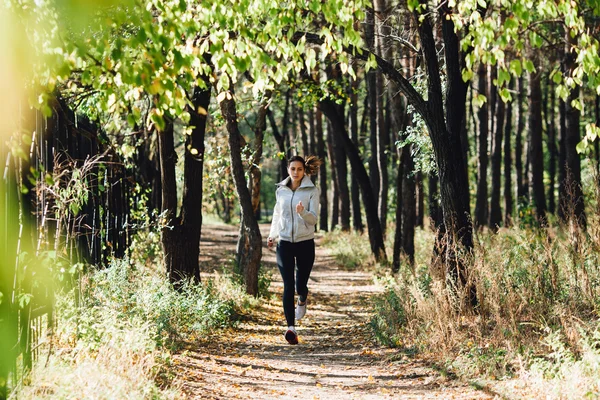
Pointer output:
x,y
115,335
351,250
537,322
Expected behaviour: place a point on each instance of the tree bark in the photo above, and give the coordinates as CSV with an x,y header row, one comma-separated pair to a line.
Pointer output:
x,y
420,189
521,187
357,223
341,167
495,209
255,172
536,150
409,216
398,224
508,194
372,96
446,139
481,202
324,213
181,236
552,149
373,225
250,261
335,204
572,199
281,136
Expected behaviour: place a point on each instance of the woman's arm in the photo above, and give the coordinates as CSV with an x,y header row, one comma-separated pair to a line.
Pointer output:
x,y
274,233
309,214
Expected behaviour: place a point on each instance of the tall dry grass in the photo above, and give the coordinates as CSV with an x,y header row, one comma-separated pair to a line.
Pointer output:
x,y
537,318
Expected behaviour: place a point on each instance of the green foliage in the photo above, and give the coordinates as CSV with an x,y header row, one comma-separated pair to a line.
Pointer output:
x,y
389,317
534,301
349,249
123,294
134,62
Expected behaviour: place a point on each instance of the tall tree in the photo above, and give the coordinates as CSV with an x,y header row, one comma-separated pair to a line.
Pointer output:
x,y
354,188
508,187
329,108
323,183
536,149
181,235
249,260
521,186
498,132
571,198
384,50
552,149
481,200
370,29
281,135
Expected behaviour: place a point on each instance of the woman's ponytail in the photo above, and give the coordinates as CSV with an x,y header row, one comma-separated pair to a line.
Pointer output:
x,y
312,164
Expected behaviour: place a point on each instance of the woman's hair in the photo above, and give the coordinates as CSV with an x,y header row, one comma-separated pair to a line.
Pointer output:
x,y
311,164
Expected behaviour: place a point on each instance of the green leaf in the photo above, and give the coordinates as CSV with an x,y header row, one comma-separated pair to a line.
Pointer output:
x,y
467,74
556,76
515,68
412,5
479,100
529,67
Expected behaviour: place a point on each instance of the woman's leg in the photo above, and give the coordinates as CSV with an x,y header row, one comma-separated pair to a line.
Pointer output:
x,y
305,258
285,262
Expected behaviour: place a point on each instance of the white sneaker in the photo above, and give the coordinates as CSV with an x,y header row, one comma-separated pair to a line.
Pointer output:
x,y
300,310
291,336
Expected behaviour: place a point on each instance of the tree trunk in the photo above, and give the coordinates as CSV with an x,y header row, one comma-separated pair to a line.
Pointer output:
x,y
508,194
521,187
280,136
573,197
398,224
357,223
372,96
250,262
446,139
536,150
255,172
433,199
552,149
341,168
481,202
324,213
181,237
409,216
420,190
495,209
373,225
303,132
562,157
384,50
335,204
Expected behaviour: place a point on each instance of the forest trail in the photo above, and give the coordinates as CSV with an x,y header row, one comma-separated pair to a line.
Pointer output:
x,y
337,357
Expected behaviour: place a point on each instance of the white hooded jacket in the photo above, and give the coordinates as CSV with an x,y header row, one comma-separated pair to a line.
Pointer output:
x,y
289,225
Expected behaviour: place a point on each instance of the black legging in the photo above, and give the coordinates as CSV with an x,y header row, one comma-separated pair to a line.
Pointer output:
x,y
298,256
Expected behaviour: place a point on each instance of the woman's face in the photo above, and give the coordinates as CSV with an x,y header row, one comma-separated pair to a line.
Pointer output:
x,y
296,171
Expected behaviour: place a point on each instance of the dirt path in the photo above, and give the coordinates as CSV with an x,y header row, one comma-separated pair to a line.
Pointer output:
x,y
337,357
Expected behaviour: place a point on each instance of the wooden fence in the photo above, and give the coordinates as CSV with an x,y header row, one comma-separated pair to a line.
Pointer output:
x,y
64,199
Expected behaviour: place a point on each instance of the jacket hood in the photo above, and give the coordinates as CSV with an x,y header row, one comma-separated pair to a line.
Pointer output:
x,y
306,182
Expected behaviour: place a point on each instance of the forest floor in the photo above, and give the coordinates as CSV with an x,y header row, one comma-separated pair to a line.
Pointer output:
x,y
337,357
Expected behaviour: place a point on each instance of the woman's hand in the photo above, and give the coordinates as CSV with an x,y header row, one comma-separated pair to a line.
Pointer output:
x,y
299,207
270,242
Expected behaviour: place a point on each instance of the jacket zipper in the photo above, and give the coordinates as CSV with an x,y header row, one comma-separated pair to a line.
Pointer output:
x,y
292,208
